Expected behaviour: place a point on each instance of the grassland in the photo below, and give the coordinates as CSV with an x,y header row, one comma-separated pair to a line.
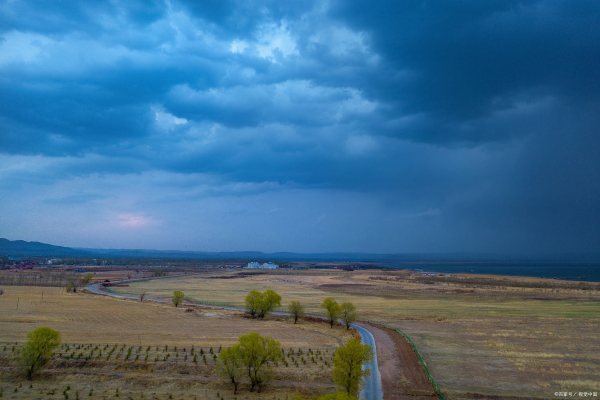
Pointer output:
x,y
118,348
491,340
85,318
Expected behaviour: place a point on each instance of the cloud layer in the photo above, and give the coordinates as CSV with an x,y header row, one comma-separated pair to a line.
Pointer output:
x,y
302,126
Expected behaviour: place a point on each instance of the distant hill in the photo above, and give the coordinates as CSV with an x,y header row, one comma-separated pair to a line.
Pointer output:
x,y
236,255
21,248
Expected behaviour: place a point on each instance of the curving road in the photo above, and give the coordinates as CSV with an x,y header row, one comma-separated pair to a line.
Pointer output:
x,y
372,388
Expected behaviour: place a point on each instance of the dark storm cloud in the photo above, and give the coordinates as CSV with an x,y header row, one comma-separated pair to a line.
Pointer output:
x,y
470,59
470,125
86,17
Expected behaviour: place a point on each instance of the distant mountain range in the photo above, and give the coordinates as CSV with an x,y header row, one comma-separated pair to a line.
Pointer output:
x,y
21,248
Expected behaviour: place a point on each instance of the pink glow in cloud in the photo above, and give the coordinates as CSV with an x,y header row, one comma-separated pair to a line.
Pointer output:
x,y
130,220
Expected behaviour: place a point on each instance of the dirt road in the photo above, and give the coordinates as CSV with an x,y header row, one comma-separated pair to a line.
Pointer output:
x,y
402,376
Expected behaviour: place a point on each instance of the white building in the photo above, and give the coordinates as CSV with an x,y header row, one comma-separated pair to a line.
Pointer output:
x,y
257,265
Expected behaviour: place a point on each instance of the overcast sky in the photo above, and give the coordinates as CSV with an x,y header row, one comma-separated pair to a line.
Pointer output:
x,y
392,126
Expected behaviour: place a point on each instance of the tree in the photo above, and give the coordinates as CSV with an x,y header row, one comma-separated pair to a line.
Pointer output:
x,y
349,314
347,365
296,310
178,298
332,308
229,366
87,278
37,351
71,287
253,300
259,304
269,300
257,352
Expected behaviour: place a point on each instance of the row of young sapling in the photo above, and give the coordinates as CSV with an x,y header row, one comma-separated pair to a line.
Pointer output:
x,y
321,357
67,392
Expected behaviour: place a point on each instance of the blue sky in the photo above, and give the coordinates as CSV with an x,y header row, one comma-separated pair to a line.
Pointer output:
x,y
413,126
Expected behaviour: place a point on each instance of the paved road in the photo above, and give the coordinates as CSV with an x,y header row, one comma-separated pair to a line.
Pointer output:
x,y
372,388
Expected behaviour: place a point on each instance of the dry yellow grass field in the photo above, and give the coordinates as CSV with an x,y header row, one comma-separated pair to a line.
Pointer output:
x,y
171,351
85,318
493,341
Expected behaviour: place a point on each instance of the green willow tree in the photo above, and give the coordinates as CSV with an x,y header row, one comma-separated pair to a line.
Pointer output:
x,y
347,365
296,310
259,304
348,314
177,298
270,300
258,353
253,302
332,308
38,350
230,366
